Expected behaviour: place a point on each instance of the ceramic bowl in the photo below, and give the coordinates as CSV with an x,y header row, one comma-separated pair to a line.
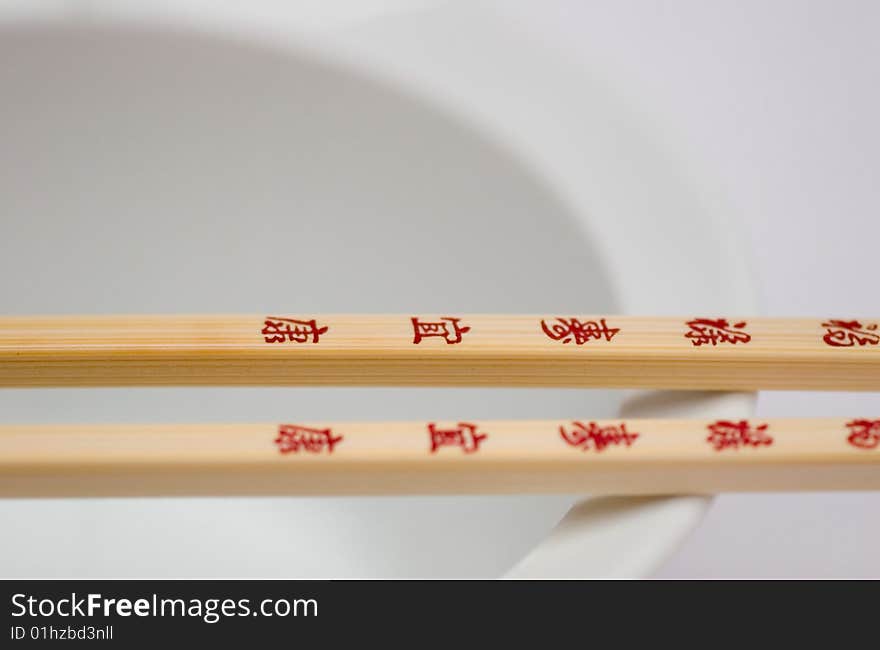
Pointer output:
x,y
169,161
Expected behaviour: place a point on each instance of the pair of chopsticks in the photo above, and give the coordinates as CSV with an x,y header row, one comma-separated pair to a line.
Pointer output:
x,y
615,456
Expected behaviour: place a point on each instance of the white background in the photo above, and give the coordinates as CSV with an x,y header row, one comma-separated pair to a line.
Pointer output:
x,y
780,101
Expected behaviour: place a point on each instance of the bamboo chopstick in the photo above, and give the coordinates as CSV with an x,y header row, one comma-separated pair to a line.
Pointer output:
x,y
690,352
607,456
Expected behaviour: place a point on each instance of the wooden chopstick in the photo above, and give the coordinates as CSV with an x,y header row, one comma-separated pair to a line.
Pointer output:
x,y
689,352
607,456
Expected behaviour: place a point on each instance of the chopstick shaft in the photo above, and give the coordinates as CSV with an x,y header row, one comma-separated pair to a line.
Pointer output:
x,y
606,456
709,353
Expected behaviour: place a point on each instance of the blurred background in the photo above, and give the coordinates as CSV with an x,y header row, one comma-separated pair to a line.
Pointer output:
x,y
774,104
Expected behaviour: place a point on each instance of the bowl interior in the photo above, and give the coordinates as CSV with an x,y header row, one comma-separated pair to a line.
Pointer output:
x,y
159,171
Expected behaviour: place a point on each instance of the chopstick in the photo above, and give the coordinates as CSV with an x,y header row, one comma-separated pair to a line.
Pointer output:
x,y
483,457
707,352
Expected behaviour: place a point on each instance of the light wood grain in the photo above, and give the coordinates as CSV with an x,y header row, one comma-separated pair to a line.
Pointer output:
x,y
363,350
666,456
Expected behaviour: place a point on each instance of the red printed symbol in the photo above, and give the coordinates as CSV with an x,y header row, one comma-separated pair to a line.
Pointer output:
x,y
279,330
705,331
464,435
864,434
725,434
592,436
446,328
572,329
847,333
292,438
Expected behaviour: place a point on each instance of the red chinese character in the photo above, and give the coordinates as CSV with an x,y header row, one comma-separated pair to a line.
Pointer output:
x,y
725,434
706,331
592,436
464,435
446,328
864,434
279,330
847,333
572,329
293,438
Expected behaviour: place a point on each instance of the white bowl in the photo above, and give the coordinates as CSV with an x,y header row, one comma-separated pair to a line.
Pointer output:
x,y
167,161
